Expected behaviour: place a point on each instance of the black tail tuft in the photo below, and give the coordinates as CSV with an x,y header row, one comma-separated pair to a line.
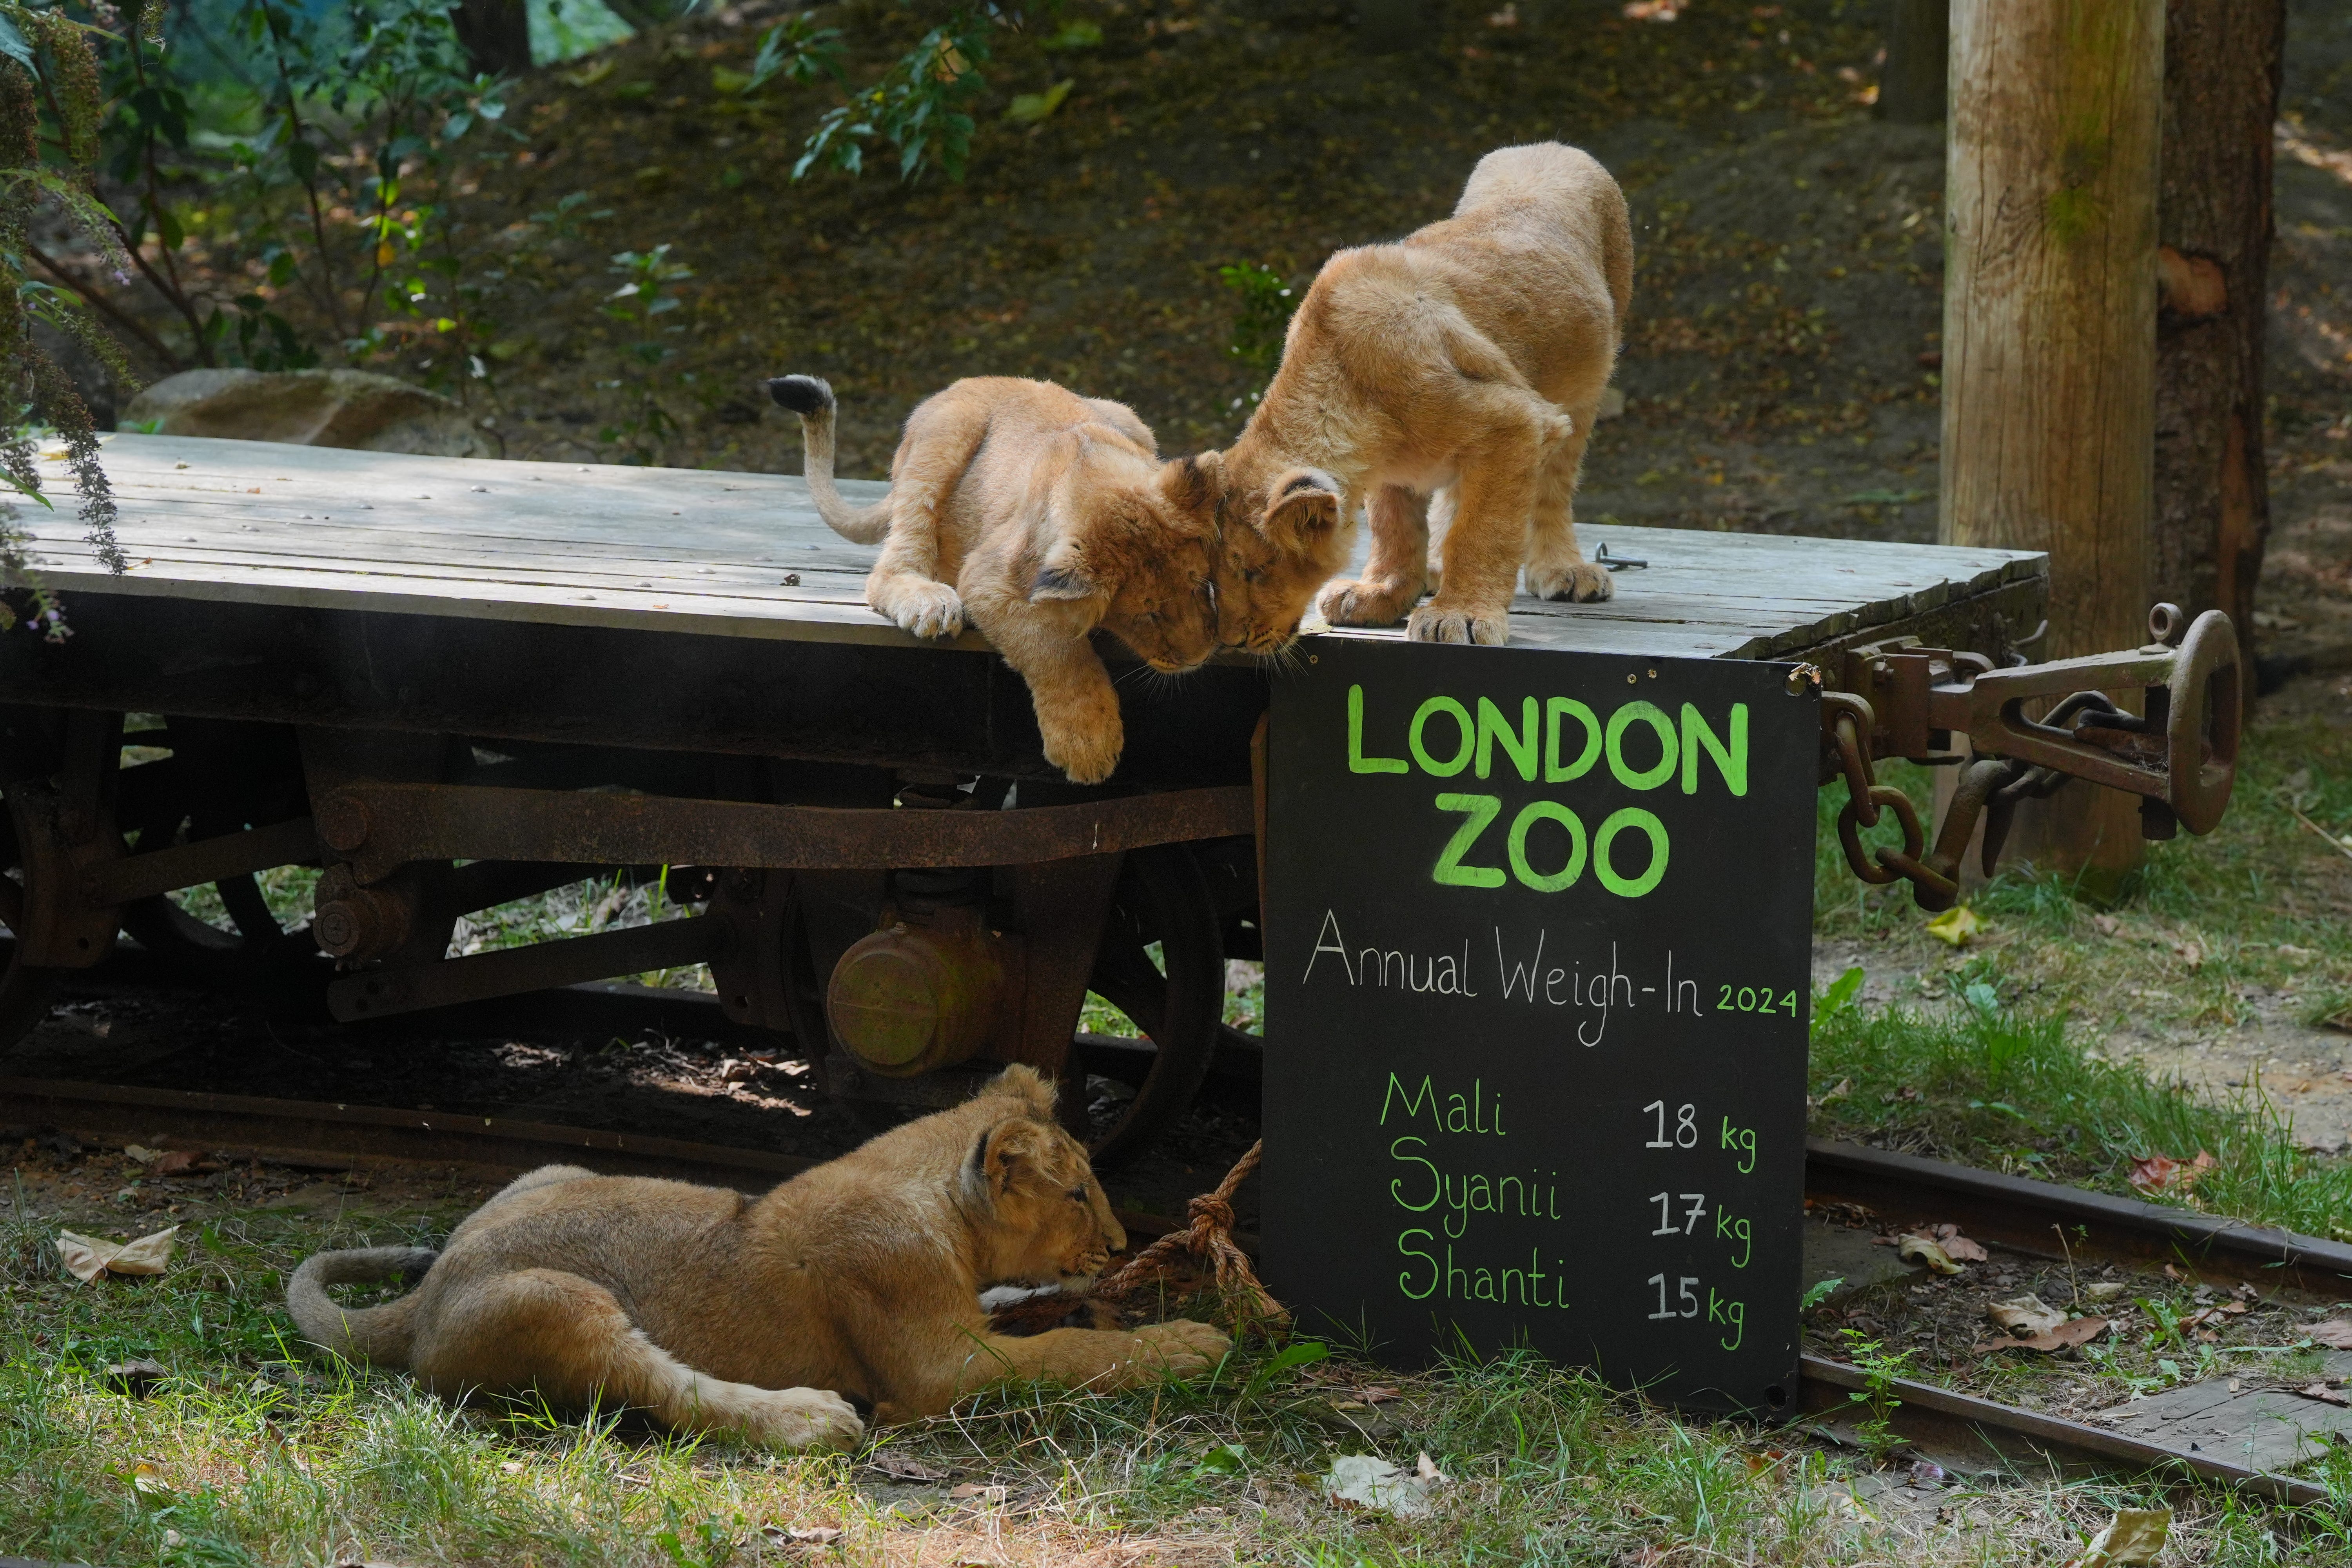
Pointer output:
x,y
803,395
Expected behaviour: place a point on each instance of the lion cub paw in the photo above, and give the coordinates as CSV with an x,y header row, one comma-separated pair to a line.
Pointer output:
x,y
1183,1347
1085,747
1579,581
1435,622
1365,602
920,605
807,1418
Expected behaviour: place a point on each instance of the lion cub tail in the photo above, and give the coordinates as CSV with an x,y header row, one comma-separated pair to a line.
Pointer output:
x,y
811,399
379,1334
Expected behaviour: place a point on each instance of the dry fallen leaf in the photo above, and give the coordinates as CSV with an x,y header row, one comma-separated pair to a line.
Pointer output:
x,y
1959,1248
2324,1393
2161,1173
809,1535
1376,1394
2107,1291
2336,1333
2025,1315
2204,1315
1920,1248
2064,1337
1426,1468
1956,925
86,1258
2132,1539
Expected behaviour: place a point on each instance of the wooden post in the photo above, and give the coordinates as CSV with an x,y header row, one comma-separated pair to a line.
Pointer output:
x,y
2050,335
2212,498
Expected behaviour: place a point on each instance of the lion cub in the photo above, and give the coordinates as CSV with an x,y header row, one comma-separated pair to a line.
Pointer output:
x,y
1038,515
854,1284
1465,361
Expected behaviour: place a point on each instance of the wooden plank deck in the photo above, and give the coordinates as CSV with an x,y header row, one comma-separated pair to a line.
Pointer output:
x,y
745,555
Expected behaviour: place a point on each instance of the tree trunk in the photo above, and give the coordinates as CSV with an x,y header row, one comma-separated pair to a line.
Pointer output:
x,y
496,34
2212,500
1912,89
2050,335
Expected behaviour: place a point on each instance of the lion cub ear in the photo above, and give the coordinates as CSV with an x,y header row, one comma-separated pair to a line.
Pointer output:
x,y
1005,1153
1064,575
1026,1084
1303,511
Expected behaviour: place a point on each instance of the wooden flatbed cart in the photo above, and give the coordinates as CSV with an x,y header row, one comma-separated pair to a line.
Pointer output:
x,y
449,684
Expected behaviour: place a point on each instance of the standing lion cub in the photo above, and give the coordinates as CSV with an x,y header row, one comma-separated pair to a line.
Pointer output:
x,y
1038,515
854,1284
1465,361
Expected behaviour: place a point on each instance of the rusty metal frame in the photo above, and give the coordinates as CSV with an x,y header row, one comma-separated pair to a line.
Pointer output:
x,y
1899,699
378,827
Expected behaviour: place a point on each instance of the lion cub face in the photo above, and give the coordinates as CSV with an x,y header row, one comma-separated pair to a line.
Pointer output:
x,y
1276,544
1151,567
1053,1224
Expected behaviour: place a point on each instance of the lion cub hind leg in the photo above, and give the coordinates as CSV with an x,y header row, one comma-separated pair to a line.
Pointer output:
x,y
569,1339
1556,567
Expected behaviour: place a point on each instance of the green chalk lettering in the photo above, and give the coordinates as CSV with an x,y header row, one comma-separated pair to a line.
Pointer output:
x,y
1554,773
1518,744
1537,811
1730,761
1482,810
1356,761
1648,713
1461,717
1602,866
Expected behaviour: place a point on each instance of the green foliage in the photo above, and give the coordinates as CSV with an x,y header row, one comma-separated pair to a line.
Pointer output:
x,y
1268,303
648,292
917,106
1881,1370
798,50
52,101
333,188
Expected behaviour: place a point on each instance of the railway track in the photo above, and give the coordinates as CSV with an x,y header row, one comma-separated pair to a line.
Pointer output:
x,y
2038,1219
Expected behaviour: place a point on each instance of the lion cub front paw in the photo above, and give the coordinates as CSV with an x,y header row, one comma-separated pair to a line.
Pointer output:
x,y
1183,1347
1436,622
1086,747
808,1418
927,609
1578,582
1366,602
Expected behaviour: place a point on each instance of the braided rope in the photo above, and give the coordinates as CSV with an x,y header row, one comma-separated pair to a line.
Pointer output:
x,y
1207,1239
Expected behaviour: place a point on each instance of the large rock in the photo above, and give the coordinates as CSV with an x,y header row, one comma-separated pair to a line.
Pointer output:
x,y
309,408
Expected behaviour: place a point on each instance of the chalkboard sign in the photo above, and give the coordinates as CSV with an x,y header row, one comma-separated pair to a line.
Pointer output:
x,y
1540,929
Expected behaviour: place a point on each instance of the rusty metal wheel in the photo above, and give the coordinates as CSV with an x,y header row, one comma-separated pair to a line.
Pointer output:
x,y
217,778
1175,1000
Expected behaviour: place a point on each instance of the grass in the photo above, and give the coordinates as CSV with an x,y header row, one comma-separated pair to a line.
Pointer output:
x,y
1995,1054
2018,1093
243,1456
2210,931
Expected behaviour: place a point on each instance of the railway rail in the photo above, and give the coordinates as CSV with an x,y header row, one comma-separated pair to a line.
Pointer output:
x,y
2038,1219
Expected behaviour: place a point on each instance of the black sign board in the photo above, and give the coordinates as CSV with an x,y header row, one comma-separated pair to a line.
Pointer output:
x,y
1540,928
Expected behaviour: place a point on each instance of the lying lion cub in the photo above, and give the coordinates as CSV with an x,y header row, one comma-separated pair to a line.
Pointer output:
x,y
856,1281
1040,515
1470,358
